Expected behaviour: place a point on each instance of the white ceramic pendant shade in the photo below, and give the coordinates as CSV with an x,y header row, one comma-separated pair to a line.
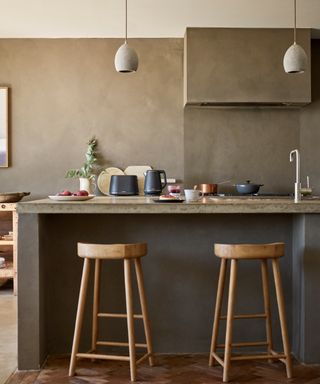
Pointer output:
x,y
126,59
295,59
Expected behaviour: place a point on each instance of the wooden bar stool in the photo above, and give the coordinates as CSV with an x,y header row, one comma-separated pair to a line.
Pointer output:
x,y
236,252
127,253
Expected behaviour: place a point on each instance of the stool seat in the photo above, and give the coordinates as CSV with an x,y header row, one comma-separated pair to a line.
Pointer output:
x,y
112,251
249,251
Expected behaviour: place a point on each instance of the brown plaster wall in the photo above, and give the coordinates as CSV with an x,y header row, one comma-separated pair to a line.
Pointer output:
x,y
239,145
310,125
65,90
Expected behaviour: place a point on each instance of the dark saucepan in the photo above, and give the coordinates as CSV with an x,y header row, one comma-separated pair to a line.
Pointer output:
x,y
248,188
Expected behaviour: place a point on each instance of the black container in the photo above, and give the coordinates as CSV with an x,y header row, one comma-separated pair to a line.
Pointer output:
x,y
153,184
124,185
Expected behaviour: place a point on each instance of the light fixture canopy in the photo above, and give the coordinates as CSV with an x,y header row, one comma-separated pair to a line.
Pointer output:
x,y
126,59
295,59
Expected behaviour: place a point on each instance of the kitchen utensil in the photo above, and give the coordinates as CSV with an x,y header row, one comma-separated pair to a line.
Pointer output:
x,y
153,185
12,197
224,182
208,189
193,194
114,171
104,179
139,171
248,188
124,185
71,198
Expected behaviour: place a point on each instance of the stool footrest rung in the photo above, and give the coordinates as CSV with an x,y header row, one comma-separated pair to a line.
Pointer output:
x,y
120,344
283,360
144,357
245,344
119,315
218,358
247,316
258,357
102,357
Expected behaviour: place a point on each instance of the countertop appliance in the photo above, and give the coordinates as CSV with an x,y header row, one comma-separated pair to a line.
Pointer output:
x,y
124,185
153,185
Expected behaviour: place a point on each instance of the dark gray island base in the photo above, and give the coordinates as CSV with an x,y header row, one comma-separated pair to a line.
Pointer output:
x,y
180,270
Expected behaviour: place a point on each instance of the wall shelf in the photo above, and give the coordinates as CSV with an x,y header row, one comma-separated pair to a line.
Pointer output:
x,y
8,248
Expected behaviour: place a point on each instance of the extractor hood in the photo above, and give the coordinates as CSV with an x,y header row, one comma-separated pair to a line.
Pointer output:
x,y
242,68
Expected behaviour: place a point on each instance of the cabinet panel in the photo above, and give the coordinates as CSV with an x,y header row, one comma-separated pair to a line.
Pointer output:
x,y
243,65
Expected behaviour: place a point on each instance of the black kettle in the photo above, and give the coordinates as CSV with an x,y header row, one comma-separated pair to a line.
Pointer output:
x,y
153,185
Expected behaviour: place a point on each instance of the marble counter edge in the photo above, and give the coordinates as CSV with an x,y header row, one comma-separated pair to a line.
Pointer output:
x,y
142,206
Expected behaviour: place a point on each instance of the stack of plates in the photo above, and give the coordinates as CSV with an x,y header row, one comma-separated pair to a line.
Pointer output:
x,y
2,262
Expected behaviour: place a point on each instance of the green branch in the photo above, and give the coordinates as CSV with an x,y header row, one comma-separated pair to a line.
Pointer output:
x,y
87,168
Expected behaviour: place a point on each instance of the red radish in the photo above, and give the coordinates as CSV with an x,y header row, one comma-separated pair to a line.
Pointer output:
x,y
65,193
82,192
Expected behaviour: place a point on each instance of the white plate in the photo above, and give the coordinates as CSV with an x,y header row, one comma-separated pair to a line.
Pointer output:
x,y
71,198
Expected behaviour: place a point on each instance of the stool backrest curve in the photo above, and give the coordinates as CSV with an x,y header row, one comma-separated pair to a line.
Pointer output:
x,y
112,251
249,251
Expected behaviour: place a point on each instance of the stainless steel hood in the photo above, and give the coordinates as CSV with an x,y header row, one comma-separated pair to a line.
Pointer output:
x,y
242,68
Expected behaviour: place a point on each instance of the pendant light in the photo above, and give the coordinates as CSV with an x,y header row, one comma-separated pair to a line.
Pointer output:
x,y
295,59
126,59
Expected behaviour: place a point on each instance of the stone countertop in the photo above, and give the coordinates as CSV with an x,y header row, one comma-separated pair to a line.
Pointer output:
x,y
147,205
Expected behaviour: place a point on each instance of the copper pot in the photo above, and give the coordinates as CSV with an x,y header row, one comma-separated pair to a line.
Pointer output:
x,y
207,189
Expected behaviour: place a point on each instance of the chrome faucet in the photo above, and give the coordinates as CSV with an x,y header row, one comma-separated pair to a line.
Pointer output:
x,y
297,184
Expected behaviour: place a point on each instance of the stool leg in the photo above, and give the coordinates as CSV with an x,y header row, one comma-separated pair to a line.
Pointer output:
x,y
80,313
231,300
217,312
144,309
282,315
266,300
130,320
96,302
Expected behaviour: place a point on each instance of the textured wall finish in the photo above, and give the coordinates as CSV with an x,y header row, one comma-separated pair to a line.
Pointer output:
x,y
64,91
247,144
310,126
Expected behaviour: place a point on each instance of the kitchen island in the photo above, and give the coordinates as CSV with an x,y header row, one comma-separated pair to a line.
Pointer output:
x,y
180,269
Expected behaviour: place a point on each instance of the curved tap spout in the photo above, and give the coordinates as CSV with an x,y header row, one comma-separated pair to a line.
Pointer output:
x,y
297,185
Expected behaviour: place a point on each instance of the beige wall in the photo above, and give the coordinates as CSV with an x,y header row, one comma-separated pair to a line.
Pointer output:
x,y
64,91
147,18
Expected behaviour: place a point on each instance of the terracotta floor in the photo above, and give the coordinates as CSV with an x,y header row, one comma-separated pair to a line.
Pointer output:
x,y
182,369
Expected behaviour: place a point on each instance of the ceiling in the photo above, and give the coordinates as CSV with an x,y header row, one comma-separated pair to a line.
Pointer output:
x,y
147,18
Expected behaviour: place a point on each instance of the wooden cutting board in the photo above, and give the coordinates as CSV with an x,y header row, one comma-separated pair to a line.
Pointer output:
x,y
139,171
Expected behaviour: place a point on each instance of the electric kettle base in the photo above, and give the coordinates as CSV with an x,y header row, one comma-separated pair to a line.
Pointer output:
x,y
152,193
